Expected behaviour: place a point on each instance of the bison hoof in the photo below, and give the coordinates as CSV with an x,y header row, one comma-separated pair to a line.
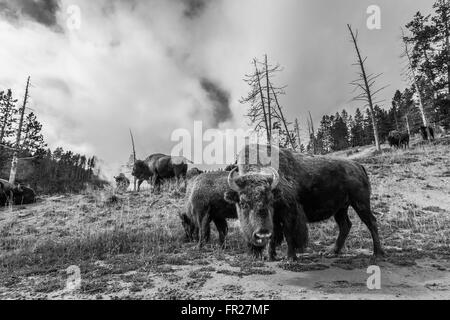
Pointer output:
x,y
292,258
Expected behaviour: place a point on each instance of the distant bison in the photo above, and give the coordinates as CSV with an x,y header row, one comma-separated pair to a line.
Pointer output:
x,y
404,140
158,167
427,133
205,203
398,140
18,195
268,200
193,172
122,182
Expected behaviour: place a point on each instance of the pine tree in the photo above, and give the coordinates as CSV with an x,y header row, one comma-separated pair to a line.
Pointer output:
x,y
7,115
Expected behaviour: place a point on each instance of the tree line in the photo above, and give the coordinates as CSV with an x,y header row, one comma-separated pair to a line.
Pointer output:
x,y
424,102
22,145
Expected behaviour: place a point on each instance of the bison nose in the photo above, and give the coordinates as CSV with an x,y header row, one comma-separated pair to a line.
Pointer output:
x,y
262,236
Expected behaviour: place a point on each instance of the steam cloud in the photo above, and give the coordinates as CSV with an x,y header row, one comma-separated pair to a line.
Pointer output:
x,y
220,101
41,11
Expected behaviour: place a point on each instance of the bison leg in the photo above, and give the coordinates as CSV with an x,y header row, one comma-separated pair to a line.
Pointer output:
x,y
366,216
344,224
222,228
139,184
205,230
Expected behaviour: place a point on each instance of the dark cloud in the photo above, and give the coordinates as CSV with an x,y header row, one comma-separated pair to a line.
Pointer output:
x,y
41,11
194,8
220,99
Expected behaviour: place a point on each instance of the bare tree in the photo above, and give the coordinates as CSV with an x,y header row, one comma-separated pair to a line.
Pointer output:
x,y
365,83
265,111
134,159
311,132
297,133
15,160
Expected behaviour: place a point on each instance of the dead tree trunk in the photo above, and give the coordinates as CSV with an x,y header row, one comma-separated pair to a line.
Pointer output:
x,y
282,117
416,86
263,105
297,132
269,110
366,88
312,133
407,125
134,159
15,160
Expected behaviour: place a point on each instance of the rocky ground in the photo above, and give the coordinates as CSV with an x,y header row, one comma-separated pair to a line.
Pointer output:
x,y
130,246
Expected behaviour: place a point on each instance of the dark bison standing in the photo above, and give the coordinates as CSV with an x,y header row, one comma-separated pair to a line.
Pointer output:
x,y
205,204
158,167
303,189
398,140
404,140
427,133
18,195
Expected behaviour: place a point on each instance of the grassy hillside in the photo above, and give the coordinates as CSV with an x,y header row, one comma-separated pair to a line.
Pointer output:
x,y
131,245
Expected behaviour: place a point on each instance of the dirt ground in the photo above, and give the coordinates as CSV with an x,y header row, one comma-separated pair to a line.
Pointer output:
x,y
130,246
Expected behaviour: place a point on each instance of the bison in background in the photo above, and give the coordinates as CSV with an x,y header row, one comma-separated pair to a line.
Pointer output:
x,y
122,182
303,189
159,167
205,203
427,133
398,140
17,195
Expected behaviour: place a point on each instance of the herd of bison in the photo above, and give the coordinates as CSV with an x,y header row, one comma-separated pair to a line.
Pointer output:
x,y
272,204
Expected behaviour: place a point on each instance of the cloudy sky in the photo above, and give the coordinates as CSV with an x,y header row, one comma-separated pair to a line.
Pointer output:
x,y
158,65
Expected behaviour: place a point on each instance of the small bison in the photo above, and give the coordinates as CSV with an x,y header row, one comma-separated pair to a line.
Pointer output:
x,y
303,189
398,140
158,167
122,182
205,203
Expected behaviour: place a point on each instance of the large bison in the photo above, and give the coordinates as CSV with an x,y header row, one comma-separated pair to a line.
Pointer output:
x,y
205,203
18,195
158,167
303,187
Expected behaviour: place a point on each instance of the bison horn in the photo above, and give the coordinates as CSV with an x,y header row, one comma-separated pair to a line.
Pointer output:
x,y
276,178
231,182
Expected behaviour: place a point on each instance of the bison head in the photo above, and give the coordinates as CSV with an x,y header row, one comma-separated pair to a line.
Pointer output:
x,y
252,193
141,170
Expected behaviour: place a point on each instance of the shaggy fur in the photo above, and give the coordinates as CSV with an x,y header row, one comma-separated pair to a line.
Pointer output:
x,y
205,204
311,189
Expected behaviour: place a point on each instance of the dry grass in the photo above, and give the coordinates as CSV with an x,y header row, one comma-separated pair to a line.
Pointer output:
x,y
141,233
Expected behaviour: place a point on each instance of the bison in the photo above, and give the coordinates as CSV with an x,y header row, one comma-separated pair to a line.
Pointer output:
x,y
404,140
18,195
193,172
394,138
427,133
303,189
205,203
158,167
122,182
